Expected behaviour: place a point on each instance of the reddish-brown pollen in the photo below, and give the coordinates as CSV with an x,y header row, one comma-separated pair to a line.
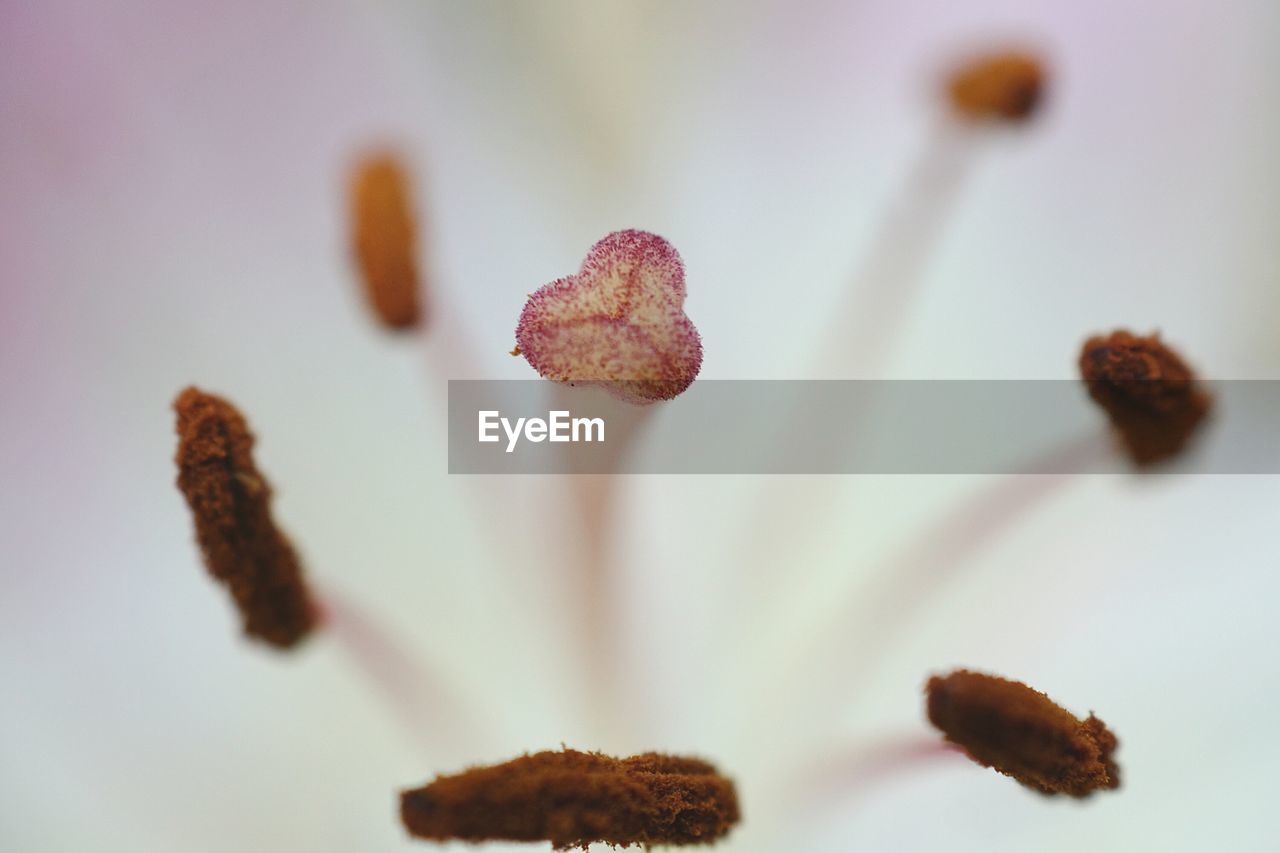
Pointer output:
x,y
1148,392
573,799
1022,733
1007,86
384,234
230,502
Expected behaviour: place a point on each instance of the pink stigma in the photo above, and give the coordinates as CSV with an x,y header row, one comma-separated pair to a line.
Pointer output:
x,y
619,323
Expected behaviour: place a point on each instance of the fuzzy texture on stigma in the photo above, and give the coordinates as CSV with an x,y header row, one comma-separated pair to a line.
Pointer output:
x,y
1022,733
573,799
619,323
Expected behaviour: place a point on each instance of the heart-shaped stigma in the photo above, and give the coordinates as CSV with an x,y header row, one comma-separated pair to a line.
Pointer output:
x,y
619,323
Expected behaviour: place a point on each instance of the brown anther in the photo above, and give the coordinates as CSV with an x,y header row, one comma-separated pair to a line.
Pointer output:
x,y
385,238
573,799
1148,392
1007,86
1022,733
230,502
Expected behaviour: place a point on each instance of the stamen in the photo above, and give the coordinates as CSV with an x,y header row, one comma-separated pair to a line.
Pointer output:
x,y
868,767
870,319
842,779
230,502
896,592
1022,733
384,235
421,696
618,323
573,799
1148,392
868,323
1002,86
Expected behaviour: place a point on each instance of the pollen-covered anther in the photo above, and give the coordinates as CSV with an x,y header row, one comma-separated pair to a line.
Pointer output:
x,y
384,238
230,502
618,323
1022,733
1006,86
573,799
1149,393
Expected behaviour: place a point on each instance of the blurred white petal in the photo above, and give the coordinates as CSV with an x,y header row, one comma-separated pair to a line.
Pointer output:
x,y
172,212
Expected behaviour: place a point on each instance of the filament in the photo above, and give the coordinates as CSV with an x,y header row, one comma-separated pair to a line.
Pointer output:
x,y
415,693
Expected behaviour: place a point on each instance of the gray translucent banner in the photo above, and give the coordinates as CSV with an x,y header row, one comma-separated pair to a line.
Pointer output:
x,y
835,427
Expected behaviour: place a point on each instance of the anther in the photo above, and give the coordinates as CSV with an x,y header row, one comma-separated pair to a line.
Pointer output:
x,y
1022,733
1149,393
1003,86
573,799
230,502
384,234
